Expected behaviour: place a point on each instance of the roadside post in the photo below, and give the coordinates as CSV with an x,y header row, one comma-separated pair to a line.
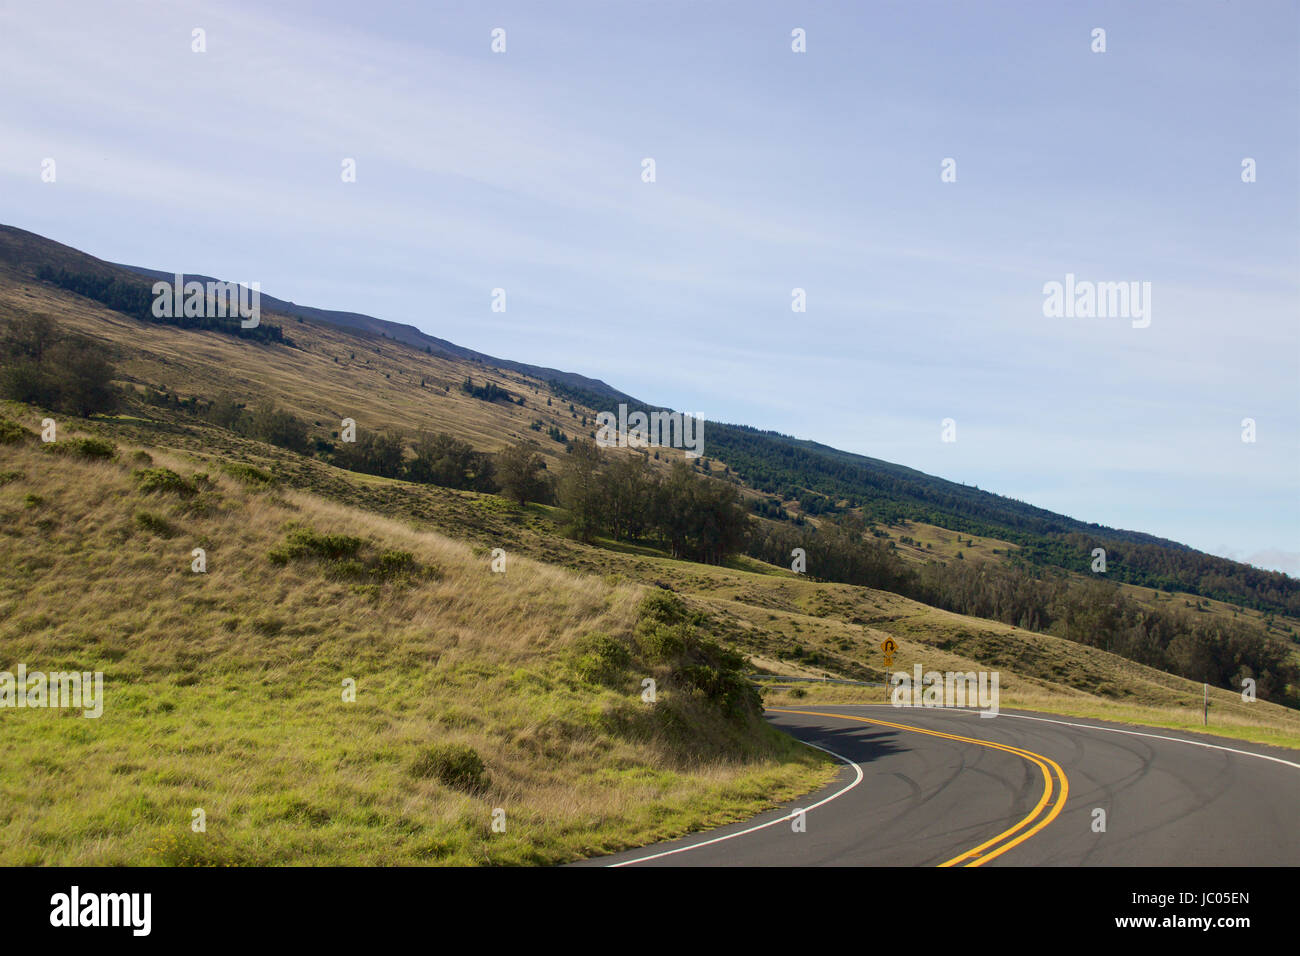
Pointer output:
x,y
890,648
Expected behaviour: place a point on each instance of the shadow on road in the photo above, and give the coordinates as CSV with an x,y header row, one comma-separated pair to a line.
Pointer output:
x,y
861,744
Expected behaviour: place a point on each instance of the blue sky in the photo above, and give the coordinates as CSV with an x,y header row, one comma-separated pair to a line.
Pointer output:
x,y
774,170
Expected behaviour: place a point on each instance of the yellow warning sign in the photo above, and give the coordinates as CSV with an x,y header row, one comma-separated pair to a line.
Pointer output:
x,y
890,649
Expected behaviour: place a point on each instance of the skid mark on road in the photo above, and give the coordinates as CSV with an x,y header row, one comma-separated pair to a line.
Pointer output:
x,y
1056,788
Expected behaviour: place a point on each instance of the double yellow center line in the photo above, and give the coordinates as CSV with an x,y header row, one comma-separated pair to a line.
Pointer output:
x,y
1055,789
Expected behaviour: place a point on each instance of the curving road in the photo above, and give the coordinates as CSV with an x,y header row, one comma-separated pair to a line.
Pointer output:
x,y
933,787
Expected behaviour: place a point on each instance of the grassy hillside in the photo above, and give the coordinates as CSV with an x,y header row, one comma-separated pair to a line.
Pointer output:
x,y
224,689
917,542
808,478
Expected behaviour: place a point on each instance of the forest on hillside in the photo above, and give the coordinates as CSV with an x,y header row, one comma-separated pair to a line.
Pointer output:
x,y
1210,648
826,481
136,300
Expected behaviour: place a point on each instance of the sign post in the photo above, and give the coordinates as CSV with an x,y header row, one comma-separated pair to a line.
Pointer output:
x,y
890,648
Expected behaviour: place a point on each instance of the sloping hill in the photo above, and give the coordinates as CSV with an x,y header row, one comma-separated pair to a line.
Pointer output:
x,y
22,253
323,373
225,690
821,479
410,335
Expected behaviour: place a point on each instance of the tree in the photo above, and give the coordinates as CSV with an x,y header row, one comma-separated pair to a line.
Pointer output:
x,y
441,459
630,489
519,470
580,492
44,366
373,453
226,411
271,424
699,518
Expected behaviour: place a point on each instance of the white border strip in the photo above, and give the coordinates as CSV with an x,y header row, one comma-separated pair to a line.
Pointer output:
x,y
1109,730
1178,740
761,826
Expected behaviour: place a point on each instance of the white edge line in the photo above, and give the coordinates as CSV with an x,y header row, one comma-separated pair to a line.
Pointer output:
x,y
761,826
1179,740
1109,730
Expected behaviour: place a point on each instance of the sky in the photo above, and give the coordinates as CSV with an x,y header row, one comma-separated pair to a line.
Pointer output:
x,y
774,170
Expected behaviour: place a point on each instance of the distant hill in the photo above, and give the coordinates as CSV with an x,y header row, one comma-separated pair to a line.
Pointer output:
x,y
20,248
821,479
407,334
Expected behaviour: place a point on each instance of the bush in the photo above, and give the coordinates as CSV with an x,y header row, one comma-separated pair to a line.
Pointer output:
x,y
666,632
164,480
93,448
599,659
663,607
304,542
249,474
454,765
343,557
11,432
716,674
155,524
395,563
663,642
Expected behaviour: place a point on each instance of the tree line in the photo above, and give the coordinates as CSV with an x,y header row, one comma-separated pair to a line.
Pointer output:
x,y
435,459
136,300
623,497
43,365
1094,612
826,481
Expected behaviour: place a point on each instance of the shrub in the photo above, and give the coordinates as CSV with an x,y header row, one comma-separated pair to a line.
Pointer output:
x,y
663,607
249,474
454,765
12,432
93,448
661,642
718,678
665,626
304,542
155,524
599,659
164,480
343,557
394,563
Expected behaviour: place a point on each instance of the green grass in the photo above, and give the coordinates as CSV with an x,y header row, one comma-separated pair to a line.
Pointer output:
x,y
225,691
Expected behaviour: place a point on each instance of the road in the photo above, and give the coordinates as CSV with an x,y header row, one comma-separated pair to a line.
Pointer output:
x,y
934,787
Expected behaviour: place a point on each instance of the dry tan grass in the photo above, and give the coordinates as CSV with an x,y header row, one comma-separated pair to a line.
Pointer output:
x,y
224,692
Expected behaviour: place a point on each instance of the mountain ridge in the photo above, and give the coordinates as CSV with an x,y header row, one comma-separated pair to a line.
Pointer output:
x,y
821,478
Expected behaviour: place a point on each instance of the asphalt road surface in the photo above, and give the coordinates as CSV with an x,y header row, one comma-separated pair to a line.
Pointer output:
x,y
933,787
